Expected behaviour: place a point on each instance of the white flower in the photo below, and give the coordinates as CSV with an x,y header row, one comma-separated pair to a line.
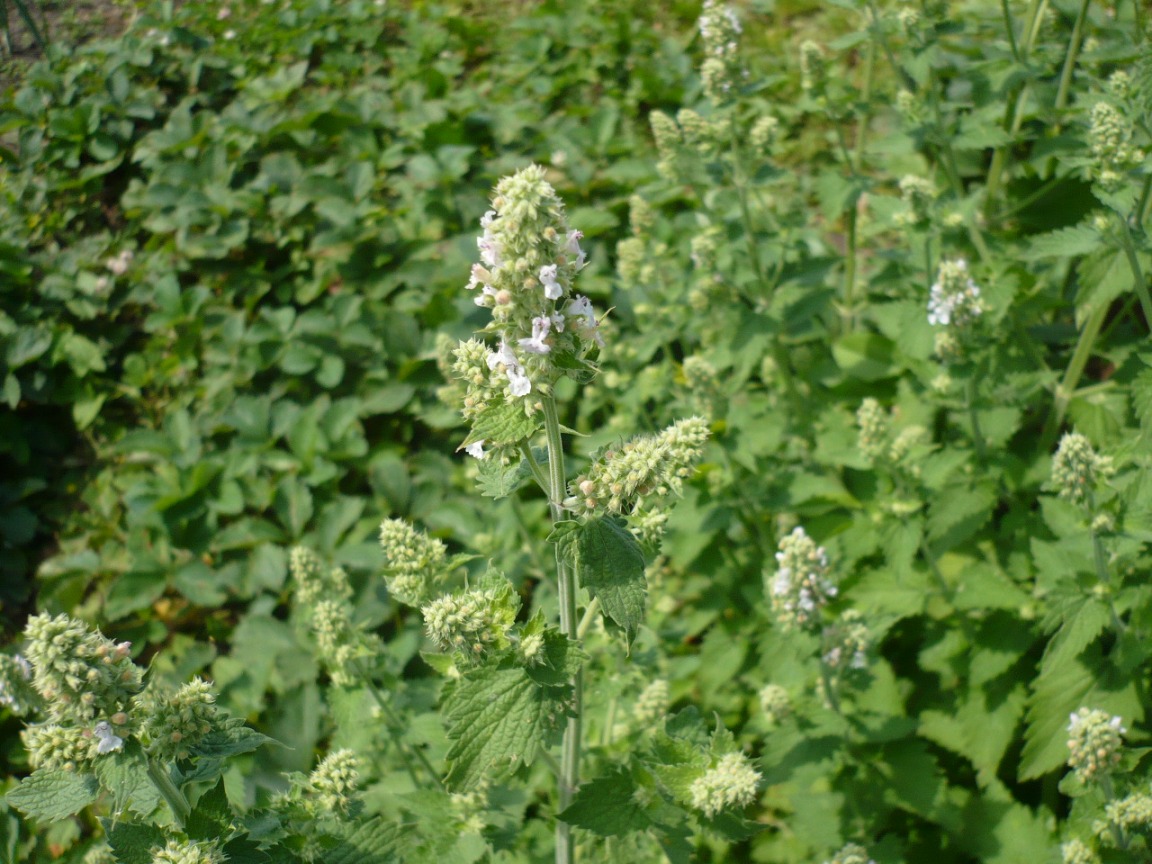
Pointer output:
x,y
503,355
581,307
536,344
118,266
553,290
518,383
108,739
476,450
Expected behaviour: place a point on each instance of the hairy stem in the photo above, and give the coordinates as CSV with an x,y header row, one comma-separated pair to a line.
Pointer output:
x,y
168,790
566,583
1067,387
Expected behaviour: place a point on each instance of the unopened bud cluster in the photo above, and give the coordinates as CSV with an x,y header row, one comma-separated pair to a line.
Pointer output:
x,y
853,853
954,299
732,782
918,195
1111,136
189,852
415,564
620,480
813,69
1094,743
313,581
172,725
764,134
1077,467
473,622
801,586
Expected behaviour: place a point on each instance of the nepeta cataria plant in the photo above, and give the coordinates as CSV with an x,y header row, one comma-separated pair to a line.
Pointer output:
x,y
515,683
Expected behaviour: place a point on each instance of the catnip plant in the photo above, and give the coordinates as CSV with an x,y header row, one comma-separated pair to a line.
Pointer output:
x,y
515,683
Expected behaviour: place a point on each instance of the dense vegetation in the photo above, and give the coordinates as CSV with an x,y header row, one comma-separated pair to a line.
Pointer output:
x,y
895,255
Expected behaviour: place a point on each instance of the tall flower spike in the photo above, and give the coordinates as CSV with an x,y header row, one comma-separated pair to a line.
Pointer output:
x,y
1076,467
801,586
415,562
954,299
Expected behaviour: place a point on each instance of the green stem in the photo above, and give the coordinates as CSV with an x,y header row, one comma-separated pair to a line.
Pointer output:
x,y
534,467
1067,387
1100,558
566,583
974,417
168,790
1118,835
1010,29
395,726
1137,271
1070,57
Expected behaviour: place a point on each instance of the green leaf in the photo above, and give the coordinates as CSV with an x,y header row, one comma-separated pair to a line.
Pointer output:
x,y
133,842
864,356
52,795
496,480
610,564
1062,243
502,424
497,718
211,818
372,842
125,774
606,806
235,738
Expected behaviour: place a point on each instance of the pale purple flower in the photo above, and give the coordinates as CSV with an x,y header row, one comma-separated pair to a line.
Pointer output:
x,y
536,344
108,739
518,383
476,450
581,307
573,247
504,355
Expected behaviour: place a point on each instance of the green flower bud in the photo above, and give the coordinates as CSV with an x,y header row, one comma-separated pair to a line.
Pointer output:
x,y
473,622
641,216
415,563
332,787
853,853
630,260
171,726
801,586
1077,468
872,421
1110,136
16,691
1132,815
1076,851
189,852
764,134
652,703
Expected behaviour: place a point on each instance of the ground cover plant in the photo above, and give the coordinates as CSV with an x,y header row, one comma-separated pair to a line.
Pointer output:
x,y
706,433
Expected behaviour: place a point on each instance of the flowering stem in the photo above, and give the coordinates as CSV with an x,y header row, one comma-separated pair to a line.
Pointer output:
x,y
168,790
534,467
394,726
1137,272
566,586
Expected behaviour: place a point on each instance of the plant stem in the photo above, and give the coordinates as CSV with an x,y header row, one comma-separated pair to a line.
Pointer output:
x,y
168,790
1067,387
974,417
1137,272
394,726
566,584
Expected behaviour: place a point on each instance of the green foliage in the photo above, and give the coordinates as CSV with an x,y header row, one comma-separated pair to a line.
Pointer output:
x,y
229,244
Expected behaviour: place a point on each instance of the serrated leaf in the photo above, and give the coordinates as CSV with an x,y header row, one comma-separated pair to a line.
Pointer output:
x,y
125,774
1104,276
610,564
241,850
1141,390
956,514
497,719
211,818
53,795
606,806
496,480
133,842
372,842
501,425
1062,243
235,738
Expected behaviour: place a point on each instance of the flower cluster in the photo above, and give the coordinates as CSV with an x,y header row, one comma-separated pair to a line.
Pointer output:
x,y
1076,851
416,563
1131,814
313,581
847,642
83,682
189,852
1110,135
853,853
732,782
652,703
720,32
475,621
16,691
620,480
813,69
954,299
918,195
172,726
1094,743
872,421
332,786
764,134
1076,467
800,587
528,259
775,703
